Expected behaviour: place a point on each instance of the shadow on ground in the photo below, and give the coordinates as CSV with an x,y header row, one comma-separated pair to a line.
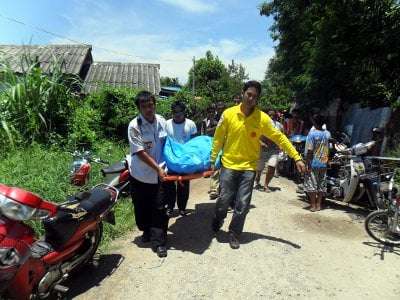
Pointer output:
x,y
248,237
192,232
384,249
93,274
355,209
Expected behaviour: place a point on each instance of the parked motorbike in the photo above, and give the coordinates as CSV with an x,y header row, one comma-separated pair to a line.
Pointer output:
x,y
80,167
37,268
115,175
353,176
287,166
118,175
384,225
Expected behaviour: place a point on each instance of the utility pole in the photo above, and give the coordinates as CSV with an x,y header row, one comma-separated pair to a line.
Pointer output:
x,y
194,62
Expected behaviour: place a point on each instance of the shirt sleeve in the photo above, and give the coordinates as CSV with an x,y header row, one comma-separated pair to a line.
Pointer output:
x,y
310,142
135,138
193,129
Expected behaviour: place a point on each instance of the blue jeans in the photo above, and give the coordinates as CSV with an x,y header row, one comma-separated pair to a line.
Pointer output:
x,y
236,186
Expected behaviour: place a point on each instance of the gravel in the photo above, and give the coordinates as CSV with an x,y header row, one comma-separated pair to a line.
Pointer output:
x,y
286,252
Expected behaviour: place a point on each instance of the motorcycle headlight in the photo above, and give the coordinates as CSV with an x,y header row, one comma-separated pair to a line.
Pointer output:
x,y
19,212
75,166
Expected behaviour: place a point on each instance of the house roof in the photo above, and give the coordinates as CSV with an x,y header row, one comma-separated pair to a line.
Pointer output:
x,y
116,74
79,61
76,57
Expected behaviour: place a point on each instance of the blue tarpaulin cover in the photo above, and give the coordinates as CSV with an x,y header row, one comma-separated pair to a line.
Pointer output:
x,y
189,158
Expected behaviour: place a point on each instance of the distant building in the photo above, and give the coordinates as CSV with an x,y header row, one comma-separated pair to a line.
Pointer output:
x,y
78,61
116,74
167,91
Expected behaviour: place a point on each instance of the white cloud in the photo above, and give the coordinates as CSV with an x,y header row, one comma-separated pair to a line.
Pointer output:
x,y
127,37
254,60
194,6
176,61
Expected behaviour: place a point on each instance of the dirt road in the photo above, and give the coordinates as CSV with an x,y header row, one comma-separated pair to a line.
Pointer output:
x,y
286,252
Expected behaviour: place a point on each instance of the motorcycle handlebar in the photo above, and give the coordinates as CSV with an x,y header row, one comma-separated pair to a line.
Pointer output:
x,y
100,161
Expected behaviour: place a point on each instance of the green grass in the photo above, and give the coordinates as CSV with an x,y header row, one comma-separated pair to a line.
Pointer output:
x,y
45,172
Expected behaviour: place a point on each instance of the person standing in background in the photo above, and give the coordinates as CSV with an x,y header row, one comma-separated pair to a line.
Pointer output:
x,y
270,154
294,125
237,99
214,179
206,123
317,147
181,130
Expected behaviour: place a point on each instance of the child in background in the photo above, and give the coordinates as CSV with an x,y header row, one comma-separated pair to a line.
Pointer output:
x,y
317,148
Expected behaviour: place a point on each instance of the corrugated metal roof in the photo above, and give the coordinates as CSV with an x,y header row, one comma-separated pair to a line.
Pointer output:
x,y
79,61
116,74
76,57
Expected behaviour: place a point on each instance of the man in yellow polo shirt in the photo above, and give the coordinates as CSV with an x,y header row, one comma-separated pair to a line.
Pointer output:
x,y
238,133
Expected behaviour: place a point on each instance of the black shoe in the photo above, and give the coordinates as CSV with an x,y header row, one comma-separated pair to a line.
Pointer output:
x,y
146,236
183,213
161,251
259,187
169,212
213,196
216,225
233,242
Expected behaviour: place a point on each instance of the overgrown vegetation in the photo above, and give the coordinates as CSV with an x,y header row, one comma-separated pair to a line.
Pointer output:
x,y
214,81
45,171
35,107
336,49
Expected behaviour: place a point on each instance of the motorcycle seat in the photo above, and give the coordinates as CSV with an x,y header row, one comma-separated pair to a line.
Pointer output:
x,y
115,168
94,201
60,228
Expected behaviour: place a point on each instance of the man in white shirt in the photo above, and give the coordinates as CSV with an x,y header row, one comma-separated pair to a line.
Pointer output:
x,y
147,134
181,130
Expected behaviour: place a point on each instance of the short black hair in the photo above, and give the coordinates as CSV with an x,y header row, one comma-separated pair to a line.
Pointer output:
x,y
319,119
252,84
270,109
237,96
144,96
295,110
178,103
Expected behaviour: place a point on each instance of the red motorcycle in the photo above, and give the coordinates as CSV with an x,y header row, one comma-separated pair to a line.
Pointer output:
x,y
80,167
36,268
116,175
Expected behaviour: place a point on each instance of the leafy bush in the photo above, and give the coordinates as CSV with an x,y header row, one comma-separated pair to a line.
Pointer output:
x,y
115,107
34,107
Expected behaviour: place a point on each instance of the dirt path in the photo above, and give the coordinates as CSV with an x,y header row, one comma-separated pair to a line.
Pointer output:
x,y
286,252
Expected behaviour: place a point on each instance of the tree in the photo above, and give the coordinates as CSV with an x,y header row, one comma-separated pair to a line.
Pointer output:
x,y
238,76
337,49
214,80
168,81
211,78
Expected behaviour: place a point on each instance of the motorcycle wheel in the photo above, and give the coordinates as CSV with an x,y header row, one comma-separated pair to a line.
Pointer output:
x,y
92,241
378,223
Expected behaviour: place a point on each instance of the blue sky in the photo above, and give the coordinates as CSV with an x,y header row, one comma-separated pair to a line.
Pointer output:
x,y
166,32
